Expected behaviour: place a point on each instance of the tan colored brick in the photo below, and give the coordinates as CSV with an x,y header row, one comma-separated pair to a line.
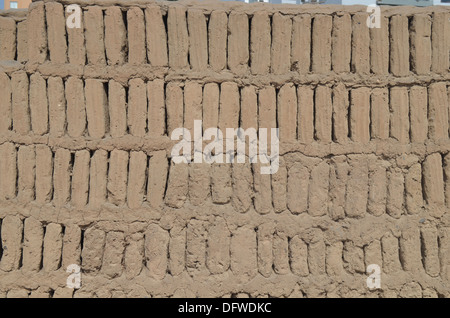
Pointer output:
x,y
53,243
96,108
94,35
440,43
5,103
438,112
134,255
157,178
418,108
287,112
37,33
242,182
391,257
12,229
279,189
156,37
56,30
44,174
56,106
98,178
334,262
395,194
301,43
229,106
137,107
177,37
316,253
93,247
340,113
117,177
280,253
305,119
117,109
321,43
399,121
217,40
76,109
221,188
192,105
76,47
199,183
238,50
360,44
71,251
243,253
210,113
430,248
26,163
177,250
379,113
136,179
420,38
156,108
115,36
413,188
80,178
8,42
410,248
137,53
218,247
373,254
433,184
323,114
357,186
174,107
399,45
196,236
360,115
263,190
8,171
156,247
298,188
341,43
20,111
113,254
198,39
339,169
377,187
249,108
22,41
379,47
353,257
298,256
177,189
260,43
318,190
38,104
32,244
61,177
281,43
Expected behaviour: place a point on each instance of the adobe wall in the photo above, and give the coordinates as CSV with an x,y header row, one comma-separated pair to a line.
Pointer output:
x,y
86,176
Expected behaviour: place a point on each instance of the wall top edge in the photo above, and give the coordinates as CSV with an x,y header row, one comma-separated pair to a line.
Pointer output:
x,y
211,5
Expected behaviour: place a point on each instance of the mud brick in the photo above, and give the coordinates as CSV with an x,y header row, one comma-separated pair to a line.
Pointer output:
x,y
20,110
238,50
137,177
177,188
243,253
94,35
93,247
260,42
137,51
157,178
137,107
360,115
98,178
177,37
323,114
157,37
115,36
360,44
198,39
399,121
96,108
117,109
379,47
305,98
287,112
56,30
37,33
76,109
301,43
298,256
433,184
218,247
38,104
298,188
44,174
379,113
113,254
32,244
281,43
420,38
265,252
53,243
156,108
12,229
56,106
199,183
5,103
8,44
80,178
26,163
61,177
117,177
341,43
321,43
217,40
418,108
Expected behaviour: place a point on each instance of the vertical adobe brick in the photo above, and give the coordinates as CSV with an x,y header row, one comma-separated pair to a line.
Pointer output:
x,y
93,247
178,37
192,105
196,246
5,103
395,193
323,114
321,43
379,113
340,113
156,247
56,30
134,255
217,40
218,247
221,189
44,174
280,253
249,108
8,42
410,247
157,37
260,41
199,183
301,43
198,39
297,188
287,112
318,190
262,188
334,262
360,44
26,163
390,250
433,184
399,121
117,109
117,177
316,253
177,250
33,236
76,110
61,177
210,113
12,230
136,179
447,179
53,243
157,178
229,106
177,188
38,104
115,36
281,43
440,42
156,108
267,103
341,43
279,188
437,111
379,48
8,171
57,106
175,107
22,41
353,257
360,114
413,187
298,253
20,111
238,50
71,251
430,250
399,43
137,53
137,107
421,44
372,253
418,108
242,182
243,254
80,178
338,181
305,97
96,108
357,186
94,31
444,252
76,47
265,249
37,33
377,187
98,178
113,254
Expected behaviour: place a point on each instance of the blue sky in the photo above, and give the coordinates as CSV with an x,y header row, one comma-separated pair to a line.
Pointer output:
x,y
2,4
